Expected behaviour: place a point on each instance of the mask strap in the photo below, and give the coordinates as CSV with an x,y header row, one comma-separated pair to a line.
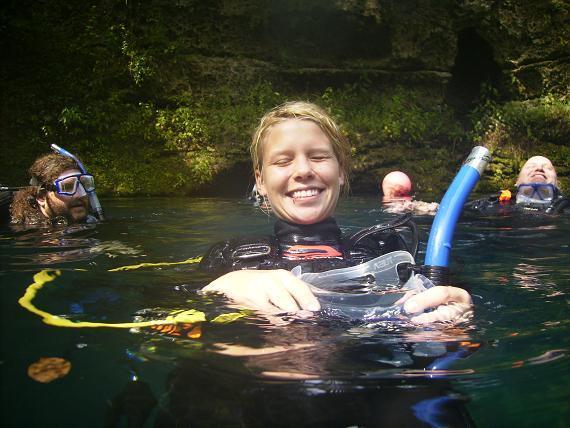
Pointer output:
x,y
34,182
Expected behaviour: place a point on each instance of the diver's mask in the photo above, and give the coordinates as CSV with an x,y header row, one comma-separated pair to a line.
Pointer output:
x,y
536,193
69,184
86,180
368,291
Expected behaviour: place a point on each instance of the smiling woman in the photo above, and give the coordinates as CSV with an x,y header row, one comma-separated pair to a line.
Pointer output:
x,y
301,165
300,174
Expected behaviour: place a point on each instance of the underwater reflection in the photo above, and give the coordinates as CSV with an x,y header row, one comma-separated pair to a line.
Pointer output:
x,y
325,372
287,371
535,278
49,246
314,373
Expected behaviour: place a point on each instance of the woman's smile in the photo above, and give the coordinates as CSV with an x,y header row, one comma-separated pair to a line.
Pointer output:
x,y
300,173
304,194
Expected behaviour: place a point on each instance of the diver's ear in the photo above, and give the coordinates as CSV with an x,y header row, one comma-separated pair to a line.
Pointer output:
x,y
341,178
259,183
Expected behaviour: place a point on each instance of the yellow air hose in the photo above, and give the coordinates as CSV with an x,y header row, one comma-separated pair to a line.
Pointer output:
x,y
189,316
189,261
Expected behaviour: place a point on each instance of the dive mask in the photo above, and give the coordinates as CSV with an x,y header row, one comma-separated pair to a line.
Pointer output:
x,y
368,291
536,193
69,184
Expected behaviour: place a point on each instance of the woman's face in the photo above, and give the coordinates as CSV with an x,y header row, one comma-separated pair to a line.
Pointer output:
x,y
300,173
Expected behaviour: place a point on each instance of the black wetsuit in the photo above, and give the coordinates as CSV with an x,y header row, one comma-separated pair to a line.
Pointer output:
x,y
316,247
492,206
200,386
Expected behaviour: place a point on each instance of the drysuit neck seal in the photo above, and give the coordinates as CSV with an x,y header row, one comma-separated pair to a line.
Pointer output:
x,y
324,232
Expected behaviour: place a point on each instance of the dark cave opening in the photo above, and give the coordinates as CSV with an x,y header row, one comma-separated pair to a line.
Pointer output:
x,y
237,181
474,66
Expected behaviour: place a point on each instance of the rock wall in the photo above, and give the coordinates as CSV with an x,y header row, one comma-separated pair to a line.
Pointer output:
x,y
524,44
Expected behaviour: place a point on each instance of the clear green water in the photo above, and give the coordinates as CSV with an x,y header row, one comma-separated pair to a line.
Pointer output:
x,y
517,372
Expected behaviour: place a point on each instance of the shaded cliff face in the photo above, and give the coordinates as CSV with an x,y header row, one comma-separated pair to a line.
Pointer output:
x,y
521,45
161,96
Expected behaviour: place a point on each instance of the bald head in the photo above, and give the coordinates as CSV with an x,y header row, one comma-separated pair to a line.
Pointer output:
x,y
537,169
396,184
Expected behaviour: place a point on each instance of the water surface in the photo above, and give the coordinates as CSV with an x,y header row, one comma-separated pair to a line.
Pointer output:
x,y
508,367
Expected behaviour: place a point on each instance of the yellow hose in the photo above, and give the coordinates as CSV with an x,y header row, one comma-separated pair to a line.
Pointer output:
x,y
189,261
189,316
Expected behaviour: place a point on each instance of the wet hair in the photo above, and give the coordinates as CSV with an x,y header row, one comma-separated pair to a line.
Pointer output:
x,y
47,168
25,209
44,171
303,111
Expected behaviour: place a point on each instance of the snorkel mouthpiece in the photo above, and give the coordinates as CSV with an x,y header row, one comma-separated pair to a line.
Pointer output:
x,y
93,199
450,208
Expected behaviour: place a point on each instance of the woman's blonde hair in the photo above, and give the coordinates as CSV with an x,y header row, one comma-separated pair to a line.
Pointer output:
x,y
304,111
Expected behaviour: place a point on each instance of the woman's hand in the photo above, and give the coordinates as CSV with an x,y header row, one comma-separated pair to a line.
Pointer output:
x,y
277,291
272,291
451,304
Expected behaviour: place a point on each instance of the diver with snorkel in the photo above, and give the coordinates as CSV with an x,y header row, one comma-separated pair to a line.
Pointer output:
x,y
537,193
61,191
301,164
314,372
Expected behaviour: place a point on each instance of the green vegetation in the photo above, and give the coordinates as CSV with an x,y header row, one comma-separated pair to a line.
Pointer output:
x,y
402,128
516,130
161,97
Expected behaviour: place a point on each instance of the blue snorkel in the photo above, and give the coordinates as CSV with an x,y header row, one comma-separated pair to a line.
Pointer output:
x,y
441,236
370,291
93,199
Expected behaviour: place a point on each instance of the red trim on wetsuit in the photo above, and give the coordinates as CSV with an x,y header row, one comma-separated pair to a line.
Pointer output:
x,y
310,252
